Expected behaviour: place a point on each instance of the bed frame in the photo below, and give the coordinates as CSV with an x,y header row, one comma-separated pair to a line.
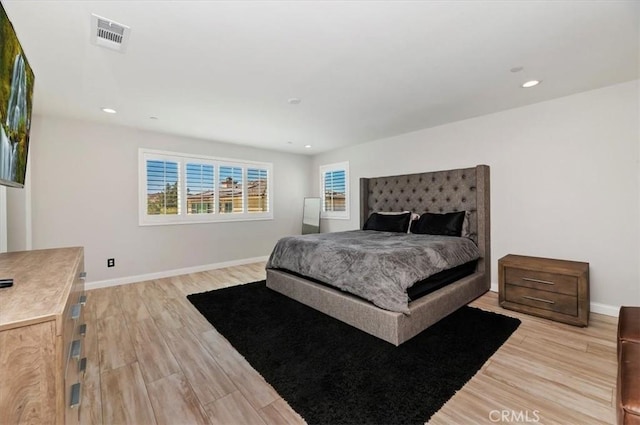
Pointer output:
x,y
464,189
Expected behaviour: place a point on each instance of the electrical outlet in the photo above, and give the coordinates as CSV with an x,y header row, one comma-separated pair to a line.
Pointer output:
x,y
111,262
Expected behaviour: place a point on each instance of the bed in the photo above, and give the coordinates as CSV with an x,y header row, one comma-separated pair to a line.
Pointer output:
x,y
464,189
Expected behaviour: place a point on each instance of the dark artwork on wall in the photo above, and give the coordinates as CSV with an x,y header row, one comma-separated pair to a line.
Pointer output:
x,y
16,104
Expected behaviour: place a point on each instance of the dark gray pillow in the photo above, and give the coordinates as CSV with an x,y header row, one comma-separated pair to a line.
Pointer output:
x,y
388,222
448,224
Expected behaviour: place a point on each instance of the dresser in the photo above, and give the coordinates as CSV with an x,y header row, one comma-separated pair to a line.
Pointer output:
x,y
41,335
545,287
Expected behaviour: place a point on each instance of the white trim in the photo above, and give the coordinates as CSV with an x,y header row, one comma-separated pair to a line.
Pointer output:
x,y
202,157
231,218
607,310
340,215
171,273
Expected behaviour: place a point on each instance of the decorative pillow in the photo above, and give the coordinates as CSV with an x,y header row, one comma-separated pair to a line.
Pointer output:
x,y
449,224
388,222
414,217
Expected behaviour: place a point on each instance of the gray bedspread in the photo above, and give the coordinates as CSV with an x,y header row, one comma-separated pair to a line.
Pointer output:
x,y
377,266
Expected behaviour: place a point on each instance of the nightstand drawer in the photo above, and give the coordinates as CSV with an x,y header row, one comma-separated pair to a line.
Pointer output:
x,y
544,281
545,300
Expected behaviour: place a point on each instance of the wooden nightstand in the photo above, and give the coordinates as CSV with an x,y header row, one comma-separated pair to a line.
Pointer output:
x,y
553,289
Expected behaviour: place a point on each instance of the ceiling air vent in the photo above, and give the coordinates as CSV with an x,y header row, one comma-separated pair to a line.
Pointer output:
x,y
109,34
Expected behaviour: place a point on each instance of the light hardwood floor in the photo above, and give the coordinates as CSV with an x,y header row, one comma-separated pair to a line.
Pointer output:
x,y
155,360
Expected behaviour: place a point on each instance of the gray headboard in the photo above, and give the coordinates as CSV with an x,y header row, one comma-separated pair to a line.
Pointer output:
x,y
465,189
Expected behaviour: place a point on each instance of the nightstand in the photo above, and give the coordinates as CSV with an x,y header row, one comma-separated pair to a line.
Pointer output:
x,y
553,289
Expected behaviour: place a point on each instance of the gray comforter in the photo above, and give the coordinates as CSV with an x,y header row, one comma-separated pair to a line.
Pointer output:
x,y
377,266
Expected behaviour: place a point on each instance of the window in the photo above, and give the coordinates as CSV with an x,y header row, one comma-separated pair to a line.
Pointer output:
x,y
334,189
162,188
200,189
231,193
179,188
257,189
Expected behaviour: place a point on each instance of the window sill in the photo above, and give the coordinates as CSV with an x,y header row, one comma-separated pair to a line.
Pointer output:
x,y
335,218
195,221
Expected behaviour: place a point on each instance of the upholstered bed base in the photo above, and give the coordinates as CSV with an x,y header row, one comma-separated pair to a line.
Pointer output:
x,y
390,326
464,189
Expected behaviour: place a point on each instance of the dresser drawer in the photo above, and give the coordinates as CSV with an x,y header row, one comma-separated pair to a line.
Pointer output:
x,y
69,329
73,393
74,329
74,355
544,281
545,300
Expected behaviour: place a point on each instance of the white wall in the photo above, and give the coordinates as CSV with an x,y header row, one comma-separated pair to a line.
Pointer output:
x,y
85,192
564,180
3,219
18,210
16,219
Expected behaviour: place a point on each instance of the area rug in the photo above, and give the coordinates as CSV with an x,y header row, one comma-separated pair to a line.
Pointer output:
x,y
332,373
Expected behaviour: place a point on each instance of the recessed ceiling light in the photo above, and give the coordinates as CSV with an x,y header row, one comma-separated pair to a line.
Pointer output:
x,y
531,83
153,118
108,110
307,146
294,101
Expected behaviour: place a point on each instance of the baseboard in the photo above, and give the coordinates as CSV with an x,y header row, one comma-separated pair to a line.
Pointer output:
x,y
607,310
171,273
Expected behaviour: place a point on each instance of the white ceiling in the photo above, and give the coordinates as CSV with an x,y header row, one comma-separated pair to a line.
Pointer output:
x,y
364,70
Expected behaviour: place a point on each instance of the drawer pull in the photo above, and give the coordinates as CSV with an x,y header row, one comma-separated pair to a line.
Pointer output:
x,y
545,282
75,311
82,365
82,300
76,347
83,275
82,330
75,395
542,300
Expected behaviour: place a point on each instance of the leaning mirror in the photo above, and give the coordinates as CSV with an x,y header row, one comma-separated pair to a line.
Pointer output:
x,y
311,216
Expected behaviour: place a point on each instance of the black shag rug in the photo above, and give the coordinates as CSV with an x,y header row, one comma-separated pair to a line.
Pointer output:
x,y
332,373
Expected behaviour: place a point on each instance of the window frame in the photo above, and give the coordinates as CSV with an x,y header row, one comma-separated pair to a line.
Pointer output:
x,y
339,215
183,216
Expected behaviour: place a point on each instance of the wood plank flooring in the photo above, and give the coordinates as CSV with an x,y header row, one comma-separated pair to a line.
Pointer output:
x,y
153,359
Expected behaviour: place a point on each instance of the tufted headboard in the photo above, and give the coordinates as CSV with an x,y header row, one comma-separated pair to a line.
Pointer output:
x,y
465,189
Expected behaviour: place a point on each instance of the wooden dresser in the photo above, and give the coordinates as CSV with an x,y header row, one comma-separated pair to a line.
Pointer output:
x,y
41,333
554,289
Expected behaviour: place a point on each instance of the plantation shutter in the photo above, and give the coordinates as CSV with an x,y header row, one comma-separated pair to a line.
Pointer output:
x,y
230,193
257,190
162,187
200,188
334,190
